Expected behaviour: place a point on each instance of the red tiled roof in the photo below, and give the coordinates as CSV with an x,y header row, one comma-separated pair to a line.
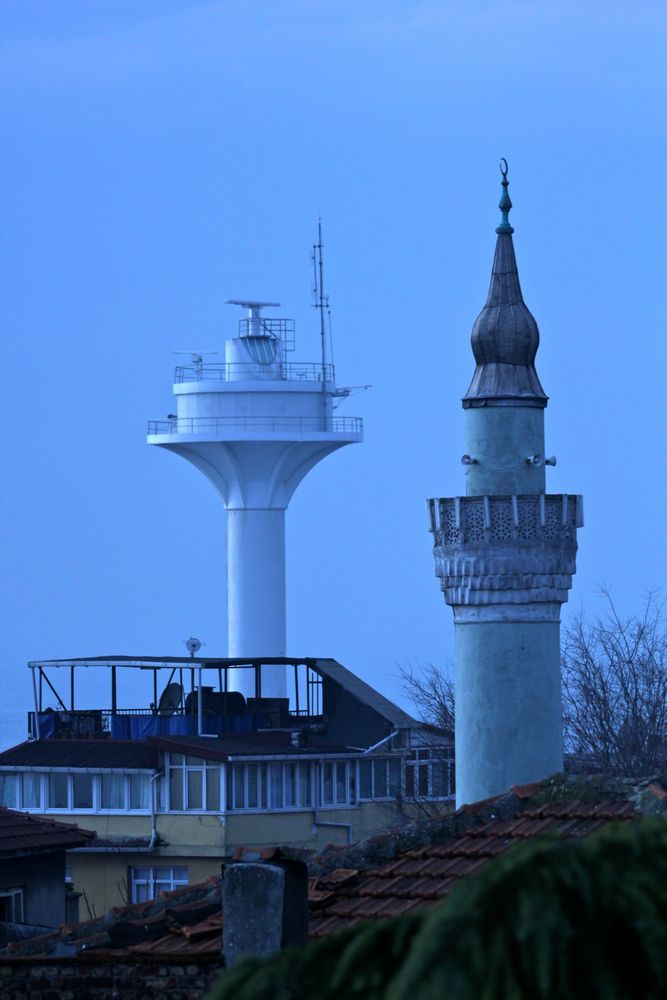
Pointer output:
x,y
23,834
419,879
188,921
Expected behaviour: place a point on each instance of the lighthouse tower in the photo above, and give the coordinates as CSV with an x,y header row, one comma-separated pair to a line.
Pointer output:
x,y
505,553
255,426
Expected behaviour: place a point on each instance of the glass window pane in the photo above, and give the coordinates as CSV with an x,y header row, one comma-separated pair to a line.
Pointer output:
x,y
423,779
304,784
394,776
31,792
276,786
139,791
213,789
8,789
195,789
140,893
142,873
380,778
290,786
410,781
175,788
113,791
175,758
197,761
365,785
83,791
251,770
58,791
263,786
341,782
181,875
327,783
239,795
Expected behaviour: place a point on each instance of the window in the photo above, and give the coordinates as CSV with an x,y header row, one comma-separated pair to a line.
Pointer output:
x,y
77,791
31,790
337,783
82,797
275,785
58,790
11,906
429,772
193,784
8,790
114,791
147,883
379,777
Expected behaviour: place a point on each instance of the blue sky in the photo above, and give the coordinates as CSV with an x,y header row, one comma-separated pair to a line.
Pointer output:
x,y
159,158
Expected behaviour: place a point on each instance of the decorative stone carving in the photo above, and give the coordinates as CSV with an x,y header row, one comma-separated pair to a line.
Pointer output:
x,y
506,550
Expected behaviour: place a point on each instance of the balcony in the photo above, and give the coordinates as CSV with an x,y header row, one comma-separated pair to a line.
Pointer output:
x,y
271,425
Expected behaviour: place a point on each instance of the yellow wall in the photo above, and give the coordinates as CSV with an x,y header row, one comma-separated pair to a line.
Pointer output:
x,y
202,842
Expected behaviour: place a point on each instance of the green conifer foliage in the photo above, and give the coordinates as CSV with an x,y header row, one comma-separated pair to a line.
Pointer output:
x,y
549,920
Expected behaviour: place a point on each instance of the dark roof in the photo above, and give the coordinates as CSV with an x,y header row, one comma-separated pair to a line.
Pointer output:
x,y
253,744
80,753
420,879
186,921
21,834
365,693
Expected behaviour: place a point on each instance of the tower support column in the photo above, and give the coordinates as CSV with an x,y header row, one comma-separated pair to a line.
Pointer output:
x,y
256,594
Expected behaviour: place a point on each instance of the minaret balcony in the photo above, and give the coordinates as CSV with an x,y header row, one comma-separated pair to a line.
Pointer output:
x,y
506,550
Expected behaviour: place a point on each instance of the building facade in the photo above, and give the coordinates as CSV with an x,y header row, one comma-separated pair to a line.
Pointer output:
x,y
175,788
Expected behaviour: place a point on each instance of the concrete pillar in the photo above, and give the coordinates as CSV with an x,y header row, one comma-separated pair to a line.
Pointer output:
x,y
256,595
265,907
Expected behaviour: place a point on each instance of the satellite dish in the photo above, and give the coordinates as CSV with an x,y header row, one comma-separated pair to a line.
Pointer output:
x,y
170,699
192,645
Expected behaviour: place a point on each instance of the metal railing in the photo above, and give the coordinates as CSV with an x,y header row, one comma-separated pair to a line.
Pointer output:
x,y
266,326
272,425
252,371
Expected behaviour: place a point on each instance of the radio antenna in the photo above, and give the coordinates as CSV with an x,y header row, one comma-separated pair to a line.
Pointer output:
x,y
321,303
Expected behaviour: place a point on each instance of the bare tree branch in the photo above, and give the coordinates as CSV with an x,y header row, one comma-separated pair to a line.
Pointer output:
x,y
614,673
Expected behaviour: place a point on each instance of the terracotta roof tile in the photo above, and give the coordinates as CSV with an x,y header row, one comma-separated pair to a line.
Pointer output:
x,y
21,833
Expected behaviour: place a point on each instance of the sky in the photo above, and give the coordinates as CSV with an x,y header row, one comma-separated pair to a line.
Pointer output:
x,y
162,156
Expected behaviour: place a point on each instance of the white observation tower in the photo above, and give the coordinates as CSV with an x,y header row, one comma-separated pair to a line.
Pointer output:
x,y
255,426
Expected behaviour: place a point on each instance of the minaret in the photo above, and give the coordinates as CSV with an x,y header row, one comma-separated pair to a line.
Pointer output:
x,y
255,426
505,553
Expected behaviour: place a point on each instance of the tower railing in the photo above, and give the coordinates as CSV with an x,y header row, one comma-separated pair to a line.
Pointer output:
x,y
265,326
237,371
217,425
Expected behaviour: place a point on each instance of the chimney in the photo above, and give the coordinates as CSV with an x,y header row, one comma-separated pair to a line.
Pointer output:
x,y
264,904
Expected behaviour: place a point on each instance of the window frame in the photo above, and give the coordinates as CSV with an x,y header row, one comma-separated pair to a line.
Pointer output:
x,y
204,766
265,804
15,893
151,880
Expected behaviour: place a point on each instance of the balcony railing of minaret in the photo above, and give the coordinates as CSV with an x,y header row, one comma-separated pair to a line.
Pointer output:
x,y
217,425
252,371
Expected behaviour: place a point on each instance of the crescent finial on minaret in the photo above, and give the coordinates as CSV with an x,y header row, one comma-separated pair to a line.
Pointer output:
x,y
505,203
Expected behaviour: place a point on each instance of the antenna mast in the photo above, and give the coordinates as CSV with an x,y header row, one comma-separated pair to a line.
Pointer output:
x,y
321,302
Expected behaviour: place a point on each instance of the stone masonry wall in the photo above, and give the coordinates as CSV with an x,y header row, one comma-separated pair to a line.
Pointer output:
x,y
107,979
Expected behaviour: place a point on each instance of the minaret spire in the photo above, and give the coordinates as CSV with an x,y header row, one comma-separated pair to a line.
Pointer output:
x,y
505,336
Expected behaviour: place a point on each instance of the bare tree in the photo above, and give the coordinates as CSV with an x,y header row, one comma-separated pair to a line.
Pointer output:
x,y
431,691
614,673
